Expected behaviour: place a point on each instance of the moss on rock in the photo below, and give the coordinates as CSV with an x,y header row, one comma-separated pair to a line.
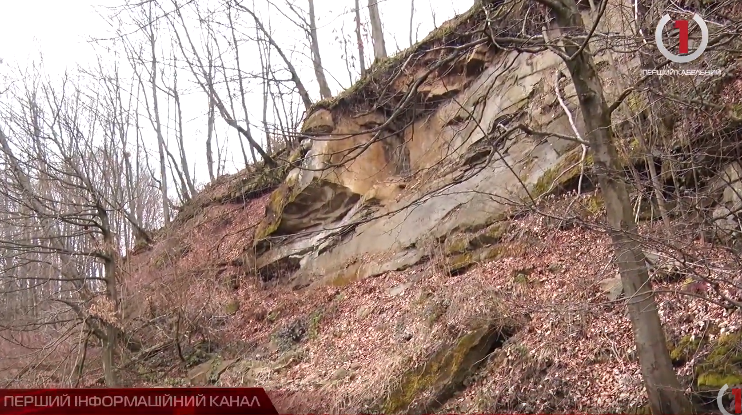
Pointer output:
x,y
434,310
422,389
315,318
461,262
491,235
593,204
685,348
232,307
261,180
637,103
457,244
521,276
723,365
714,380
557,177
277,202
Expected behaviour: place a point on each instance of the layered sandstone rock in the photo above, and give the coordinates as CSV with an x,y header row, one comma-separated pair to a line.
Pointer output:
x,y
383,177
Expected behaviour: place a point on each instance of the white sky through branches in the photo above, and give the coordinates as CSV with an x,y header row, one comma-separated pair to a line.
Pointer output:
x,y
59,32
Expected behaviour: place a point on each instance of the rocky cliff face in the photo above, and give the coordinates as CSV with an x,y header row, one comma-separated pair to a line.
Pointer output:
x,y
417,152
409,272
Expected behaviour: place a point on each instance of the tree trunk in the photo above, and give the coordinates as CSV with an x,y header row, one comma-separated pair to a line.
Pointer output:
x,y
666,396
412,21
180,134
324,89
236,46
377,32
658,191
109,264
265,65
109,363
359,38
210,117
158,128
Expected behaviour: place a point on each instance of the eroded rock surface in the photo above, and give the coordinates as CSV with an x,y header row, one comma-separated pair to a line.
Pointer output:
x,y
383,178
378,183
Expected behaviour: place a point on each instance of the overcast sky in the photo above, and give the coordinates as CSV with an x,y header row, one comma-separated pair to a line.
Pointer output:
x,y
60,31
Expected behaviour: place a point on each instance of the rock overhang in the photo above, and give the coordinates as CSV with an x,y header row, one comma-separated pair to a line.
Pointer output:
x,y
399,179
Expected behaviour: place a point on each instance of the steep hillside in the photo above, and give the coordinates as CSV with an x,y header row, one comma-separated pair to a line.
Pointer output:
x,y
416,253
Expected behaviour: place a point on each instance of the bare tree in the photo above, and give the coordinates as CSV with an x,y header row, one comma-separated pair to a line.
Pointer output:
x,y
347,56
188,188
324,89
155,113
359,38
240,81
209,79
412,20
199,71
665,393
377,30
264,51
290,66
71,196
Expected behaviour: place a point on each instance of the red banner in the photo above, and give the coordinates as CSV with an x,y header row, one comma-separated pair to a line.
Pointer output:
x,y
139,401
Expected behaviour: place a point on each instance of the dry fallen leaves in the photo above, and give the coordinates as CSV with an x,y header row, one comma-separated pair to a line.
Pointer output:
x,y
573,355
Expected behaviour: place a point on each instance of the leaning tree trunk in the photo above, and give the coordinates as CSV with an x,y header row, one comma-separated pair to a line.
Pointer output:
x,y
359,39
666,396
319,71
377,32
161,146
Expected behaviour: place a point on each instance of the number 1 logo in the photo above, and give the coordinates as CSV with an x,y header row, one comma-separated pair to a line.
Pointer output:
x,y
682,26
737,393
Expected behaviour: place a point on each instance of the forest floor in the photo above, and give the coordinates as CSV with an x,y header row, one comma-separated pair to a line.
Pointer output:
x,y
339,348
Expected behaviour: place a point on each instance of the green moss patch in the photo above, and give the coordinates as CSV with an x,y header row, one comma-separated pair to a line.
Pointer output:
x,y
232,307
435,309
723,365
593,204
314,322
424,389
475,238
716,380
490,235
521,276
556,179
277,202
460,263
250,183
457,244
684,349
